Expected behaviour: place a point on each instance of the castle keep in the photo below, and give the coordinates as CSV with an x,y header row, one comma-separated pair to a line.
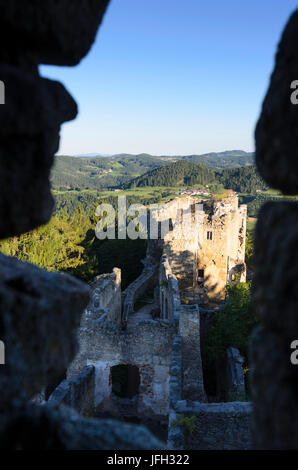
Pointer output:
x,y
210,252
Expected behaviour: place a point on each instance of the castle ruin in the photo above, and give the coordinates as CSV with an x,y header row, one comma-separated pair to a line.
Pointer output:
x,y
146,363
40,311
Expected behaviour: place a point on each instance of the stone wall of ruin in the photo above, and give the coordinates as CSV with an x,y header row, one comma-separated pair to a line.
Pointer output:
x,y
137,288
224,255
188,248
189,330
77,393
169,295
175,433
181,252
218,426
104,344
105,296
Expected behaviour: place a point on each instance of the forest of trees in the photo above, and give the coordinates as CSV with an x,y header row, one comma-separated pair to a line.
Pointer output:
x,y
242,180
100,172
70,201
254,205
181,172
68,244
220,160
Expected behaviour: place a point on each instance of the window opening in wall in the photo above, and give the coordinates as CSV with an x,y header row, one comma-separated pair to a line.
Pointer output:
x,y
125,380
200,276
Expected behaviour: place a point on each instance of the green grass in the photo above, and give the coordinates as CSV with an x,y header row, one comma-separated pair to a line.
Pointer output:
x,y
251,223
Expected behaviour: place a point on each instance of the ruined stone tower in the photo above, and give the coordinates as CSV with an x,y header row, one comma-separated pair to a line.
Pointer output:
x,y
210,252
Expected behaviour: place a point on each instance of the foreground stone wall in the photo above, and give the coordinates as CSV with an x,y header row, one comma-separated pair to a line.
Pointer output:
x,y
40,311
274,377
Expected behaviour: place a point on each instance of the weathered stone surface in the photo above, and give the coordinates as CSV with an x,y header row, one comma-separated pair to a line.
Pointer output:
x,y
218,426
276,136
137,288
176,370
275,293
104,344
77,393
235,384
175,433
29,130
105,297
39,314
51,428
50,32
32,104
189,329
189,249
274,388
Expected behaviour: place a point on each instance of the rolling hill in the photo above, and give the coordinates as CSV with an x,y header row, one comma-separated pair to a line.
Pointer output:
x,y
181,172
102,172
221,160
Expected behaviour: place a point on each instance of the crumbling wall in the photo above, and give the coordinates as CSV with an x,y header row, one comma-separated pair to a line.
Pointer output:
x,y
222,257
179,240
175,433
78,392
189,330
208,237
105,297
235,384
169,295
218,426
104,345
137,288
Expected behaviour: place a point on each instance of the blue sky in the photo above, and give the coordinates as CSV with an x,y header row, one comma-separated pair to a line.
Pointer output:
x,y
173,77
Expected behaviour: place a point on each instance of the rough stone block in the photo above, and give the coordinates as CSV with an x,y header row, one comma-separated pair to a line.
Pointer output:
x,y
275,293
51,32
274,388
52,428
276,132
29,130
39,314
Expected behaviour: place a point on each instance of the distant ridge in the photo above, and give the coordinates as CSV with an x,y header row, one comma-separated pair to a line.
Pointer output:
x,y
215,160
181,172
98,171
90,155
